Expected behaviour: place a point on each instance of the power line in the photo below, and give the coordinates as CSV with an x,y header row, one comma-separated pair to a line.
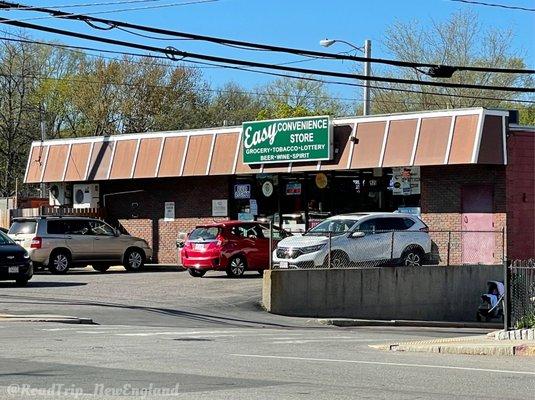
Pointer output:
x,y
178,55
200,64
249,45
77,50
219,91
89,4
23,8
481,3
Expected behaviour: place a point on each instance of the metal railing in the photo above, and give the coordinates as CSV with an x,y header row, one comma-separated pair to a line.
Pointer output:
x,y
520,294
378,248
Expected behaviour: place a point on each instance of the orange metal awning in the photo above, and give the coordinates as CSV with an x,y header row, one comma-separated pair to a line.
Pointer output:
x,y
464,136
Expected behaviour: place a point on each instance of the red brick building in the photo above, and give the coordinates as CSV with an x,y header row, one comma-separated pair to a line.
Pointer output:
x,y
462,170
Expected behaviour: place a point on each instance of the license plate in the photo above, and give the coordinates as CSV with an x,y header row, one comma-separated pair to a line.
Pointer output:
x,y
199,246
283,264
13,270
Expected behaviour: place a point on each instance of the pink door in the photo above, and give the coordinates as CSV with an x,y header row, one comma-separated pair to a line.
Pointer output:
x,y
477,225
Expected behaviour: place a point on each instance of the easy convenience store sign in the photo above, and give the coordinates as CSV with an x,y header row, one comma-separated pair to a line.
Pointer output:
x,y
287,140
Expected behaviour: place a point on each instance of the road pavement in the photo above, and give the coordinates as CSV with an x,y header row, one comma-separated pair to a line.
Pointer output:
x,y
209,339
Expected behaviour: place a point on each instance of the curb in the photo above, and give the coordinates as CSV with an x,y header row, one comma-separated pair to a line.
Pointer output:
x,y
345,322
62,319
469,349
474,345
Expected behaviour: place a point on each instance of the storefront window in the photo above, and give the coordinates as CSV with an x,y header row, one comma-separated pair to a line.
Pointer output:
x,y
300,201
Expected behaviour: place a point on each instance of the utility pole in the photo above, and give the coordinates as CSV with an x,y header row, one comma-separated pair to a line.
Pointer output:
x,y
367,50
42,186
367,72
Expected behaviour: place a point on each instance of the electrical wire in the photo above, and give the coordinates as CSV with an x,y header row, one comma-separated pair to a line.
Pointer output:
x,y
250,45
87,4
481,3
183,54
200,64
117,10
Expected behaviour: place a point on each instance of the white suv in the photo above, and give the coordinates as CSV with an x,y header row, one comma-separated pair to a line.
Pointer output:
x,y
357,239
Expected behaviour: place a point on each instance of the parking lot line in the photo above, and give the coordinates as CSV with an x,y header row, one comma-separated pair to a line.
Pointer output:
x,y
330,360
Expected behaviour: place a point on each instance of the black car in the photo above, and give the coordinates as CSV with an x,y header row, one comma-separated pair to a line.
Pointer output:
x,y
15,262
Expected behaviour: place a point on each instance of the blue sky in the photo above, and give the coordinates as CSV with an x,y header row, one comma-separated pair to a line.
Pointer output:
x,y
298,23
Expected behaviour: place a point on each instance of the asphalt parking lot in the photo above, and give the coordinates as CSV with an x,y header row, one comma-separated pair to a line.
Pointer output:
x,y
162,328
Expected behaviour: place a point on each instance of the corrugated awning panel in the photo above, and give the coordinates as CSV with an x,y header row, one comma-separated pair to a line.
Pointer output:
x,y
465,136
77,162
197,155
36,164
55,166
172,156
147,158
224,151
125,152
99,165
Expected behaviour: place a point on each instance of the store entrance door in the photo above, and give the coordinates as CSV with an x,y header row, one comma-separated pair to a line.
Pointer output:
x,y
478,247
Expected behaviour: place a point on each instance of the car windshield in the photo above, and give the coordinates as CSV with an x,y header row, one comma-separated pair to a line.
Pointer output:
x,y
22,227
4,239
204,233
333,226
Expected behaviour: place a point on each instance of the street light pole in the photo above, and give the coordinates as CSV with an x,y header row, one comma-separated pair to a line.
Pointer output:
x,y
367,72
367,50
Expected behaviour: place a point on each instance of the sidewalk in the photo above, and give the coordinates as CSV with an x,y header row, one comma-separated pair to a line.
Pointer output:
x,y
473,345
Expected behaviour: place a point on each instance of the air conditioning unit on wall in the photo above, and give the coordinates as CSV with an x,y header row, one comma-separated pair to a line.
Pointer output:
x,y
85,195
59,194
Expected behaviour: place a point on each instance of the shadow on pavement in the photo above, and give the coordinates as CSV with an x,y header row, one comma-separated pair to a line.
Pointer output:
x,y
192,316
90,270
32,285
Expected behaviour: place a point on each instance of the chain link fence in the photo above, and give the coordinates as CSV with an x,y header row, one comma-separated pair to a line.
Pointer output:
x,y
363,249
520,294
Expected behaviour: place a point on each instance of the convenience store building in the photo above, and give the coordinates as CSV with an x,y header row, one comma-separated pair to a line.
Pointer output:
x,y
460,170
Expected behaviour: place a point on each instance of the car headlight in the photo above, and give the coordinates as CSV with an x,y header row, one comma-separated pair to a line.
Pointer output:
x,y
26,255
312,249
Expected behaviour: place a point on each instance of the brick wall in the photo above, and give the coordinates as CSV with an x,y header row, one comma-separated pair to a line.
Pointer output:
x,y
441,208
141,213
520,182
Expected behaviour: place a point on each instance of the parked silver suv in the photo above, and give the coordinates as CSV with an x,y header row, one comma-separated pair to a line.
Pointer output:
x,y
360,238
59,243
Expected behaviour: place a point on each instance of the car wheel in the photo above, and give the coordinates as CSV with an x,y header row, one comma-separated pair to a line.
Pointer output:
x,y
101,268
197,273
236,267
134,260
339,259
412,257
60,262
21,281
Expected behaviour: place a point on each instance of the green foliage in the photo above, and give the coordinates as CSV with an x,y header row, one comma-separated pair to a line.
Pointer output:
x,y
459,40
286,98
526,322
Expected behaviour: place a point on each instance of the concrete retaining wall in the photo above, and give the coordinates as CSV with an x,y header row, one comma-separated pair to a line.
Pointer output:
x,y
430,293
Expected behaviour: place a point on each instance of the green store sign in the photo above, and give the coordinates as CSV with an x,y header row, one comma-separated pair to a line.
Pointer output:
x,y
287,140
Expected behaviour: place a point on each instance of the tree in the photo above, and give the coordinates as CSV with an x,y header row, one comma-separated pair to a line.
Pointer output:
x,y
233,105
458,41
18,116
287,97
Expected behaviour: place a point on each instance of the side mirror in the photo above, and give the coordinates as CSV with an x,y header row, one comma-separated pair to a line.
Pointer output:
x,y
116,233
179,244
357,234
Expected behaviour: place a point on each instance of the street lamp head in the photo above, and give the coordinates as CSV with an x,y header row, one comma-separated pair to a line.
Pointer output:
x,y
327,42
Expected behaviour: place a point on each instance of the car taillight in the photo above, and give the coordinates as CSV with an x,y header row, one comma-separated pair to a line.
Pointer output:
x,y
221,241
36,243
424,229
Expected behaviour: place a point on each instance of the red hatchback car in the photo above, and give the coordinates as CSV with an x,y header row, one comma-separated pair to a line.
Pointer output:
x,y
231,246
